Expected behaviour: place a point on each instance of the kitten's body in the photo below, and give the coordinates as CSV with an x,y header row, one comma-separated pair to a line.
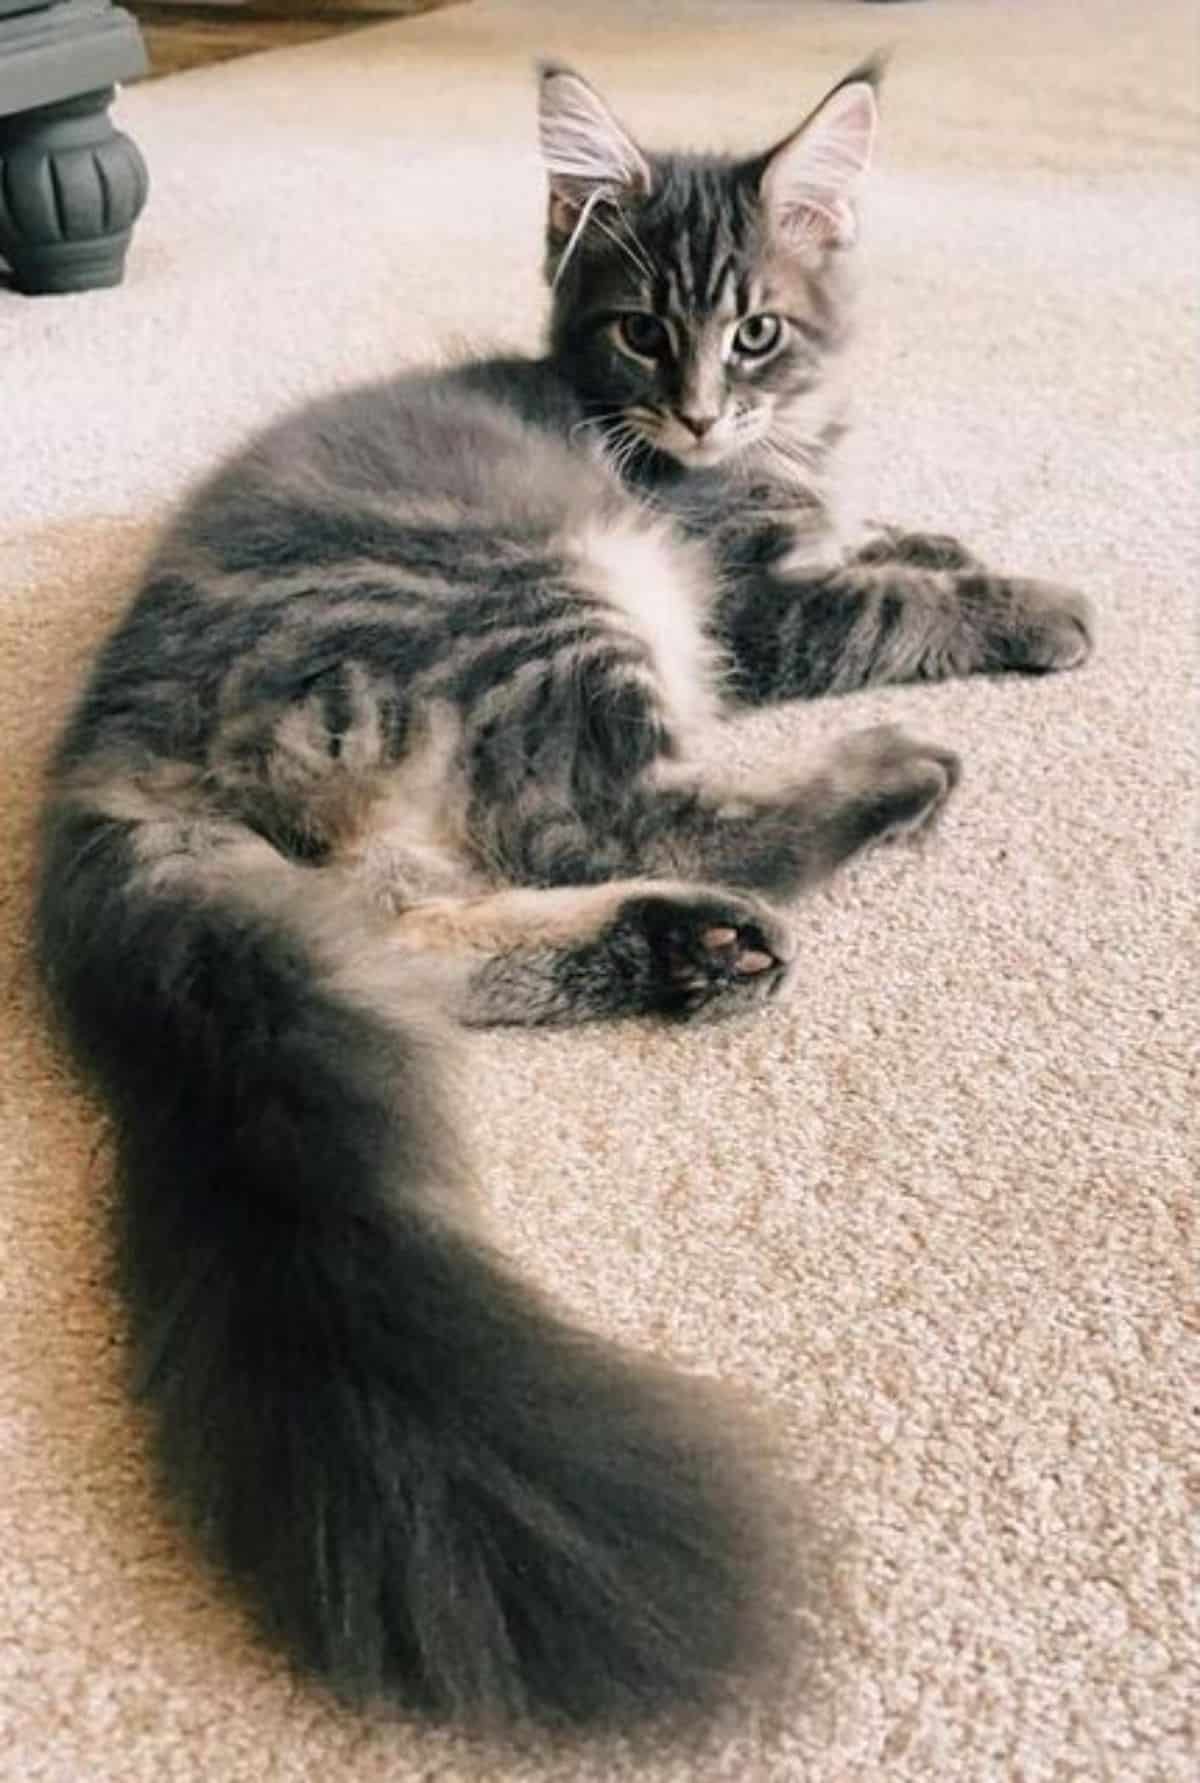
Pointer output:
x,y
400,730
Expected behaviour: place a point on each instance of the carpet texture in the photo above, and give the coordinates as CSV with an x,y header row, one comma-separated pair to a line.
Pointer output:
x,y
937,1213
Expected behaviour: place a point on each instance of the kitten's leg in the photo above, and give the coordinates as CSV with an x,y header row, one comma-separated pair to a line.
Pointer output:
x,y
686,945
874,785
906,607
675,939
574,953
778,840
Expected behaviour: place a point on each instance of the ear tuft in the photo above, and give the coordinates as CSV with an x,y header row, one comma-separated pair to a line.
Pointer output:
x,y
585,150
807,183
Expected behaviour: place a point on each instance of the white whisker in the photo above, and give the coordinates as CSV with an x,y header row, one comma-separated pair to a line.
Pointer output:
x,y
621,245
633,245
604,419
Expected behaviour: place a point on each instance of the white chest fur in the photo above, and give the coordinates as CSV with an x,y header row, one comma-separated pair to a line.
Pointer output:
x,y
659,587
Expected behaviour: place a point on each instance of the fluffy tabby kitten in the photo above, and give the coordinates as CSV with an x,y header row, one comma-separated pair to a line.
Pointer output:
x,y
397,733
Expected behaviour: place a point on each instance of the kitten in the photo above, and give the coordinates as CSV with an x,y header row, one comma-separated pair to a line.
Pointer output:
x,y
398,733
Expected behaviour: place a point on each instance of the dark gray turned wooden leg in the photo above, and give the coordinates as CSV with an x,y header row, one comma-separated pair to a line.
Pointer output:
x,y
71,189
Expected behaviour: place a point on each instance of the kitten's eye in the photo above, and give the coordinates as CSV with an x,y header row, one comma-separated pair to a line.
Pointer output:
x,y
643,334
757,335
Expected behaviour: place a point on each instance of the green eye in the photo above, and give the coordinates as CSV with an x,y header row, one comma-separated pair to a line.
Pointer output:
x,y
757,336
643,334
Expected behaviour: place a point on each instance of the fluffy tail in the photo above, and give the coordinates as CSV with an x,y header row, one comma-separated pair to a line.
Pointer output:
x,y
429,1488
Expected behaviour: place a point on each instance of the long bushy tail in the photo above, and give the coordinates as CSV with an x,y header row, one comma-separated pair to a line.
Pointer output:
x,y
428,1486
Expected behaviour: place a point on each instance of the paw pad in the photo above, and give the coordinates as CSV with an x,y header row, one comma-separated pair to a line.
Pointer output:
x,y
713,950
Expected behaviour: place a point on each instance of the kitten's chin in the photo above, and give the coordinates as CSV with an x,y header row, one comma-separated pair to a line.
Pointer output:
x,y
693,454
703,454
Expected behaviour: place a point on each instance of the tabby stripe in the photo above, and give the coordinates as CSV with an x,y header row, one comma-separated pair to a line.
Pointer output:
x,y
495,665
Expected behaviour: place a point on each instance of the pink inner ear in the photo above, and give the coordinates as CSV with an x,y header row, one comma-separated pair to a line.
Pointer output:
x,y
827,224
563,214
808,180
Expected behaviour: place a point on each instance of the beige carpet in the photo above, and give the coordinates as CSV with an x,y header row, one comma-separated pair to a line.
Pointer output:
x,y
938,1213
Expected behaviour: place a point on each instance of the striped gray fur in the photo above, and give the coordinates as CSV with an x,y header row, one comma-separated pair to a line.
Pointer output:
x,y
400,731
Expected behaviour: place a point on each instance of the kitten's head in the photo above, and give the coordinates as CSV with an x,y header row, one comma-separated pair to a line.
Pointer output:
x,y
697,298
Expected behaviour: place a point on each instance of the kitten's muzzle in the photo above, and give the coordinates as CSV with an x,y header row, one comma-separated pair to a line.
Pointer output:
x,y
697,439
698,425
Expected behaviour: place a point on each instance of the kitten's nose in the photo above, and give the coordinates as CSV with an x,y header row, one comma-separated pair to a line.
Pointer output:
x,y
699,424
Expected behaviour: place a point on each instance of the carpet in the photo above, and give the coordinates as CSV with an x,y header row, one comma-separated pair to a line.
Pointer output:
x,y
937,1214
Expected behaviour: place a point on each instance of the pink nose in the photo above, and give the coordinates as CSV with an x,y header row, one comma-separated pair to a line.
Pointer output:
x,y
699,424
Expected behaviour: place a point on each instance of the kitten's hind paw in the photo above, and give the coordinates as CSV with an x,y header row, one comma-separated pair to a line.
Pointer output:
x,y
1046,628
709,952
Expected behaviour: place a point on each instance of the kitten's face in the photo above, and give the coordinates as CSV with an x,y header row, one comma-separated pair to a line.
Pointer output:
x,y
681,327
707,379
696,298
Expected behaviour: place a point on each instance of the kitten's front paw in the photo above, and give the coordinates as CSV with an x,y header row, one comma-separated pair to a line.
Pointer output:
x,y
892,784
923,550
708,952
1046,629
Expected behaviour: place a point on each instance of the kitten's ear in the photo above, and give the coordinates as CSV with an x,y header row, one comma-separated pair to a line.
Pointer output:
x,y
586,151
806,183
